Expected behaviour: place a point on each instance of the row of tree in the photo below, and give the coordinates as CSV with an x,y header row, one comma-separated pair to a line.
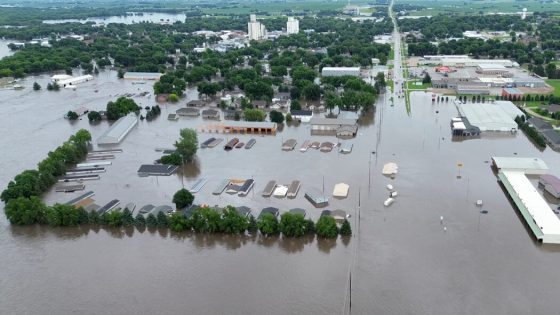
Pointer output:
x,y
31,183
25,211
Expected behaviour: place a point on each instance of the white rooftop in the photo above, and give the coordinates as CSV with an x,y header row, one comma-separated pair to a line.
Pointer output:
x,y
537,207
521,164
491,116
491,66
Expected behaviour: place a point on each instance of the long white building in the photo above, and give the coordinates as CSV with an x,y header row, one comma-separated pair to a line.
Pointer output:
x,y
256,30
292,26
340,71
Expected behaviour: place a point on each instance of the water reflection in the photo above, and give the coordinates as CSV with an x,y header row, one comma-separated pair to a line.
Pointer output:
x,y
326,245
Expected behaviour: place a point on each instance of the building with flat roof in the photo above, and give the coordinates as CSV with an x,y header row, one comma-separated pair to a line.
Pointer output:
x,y
552,137
256,30
340,71
491,68
334,126
118,130
463,61
496,116
74,80
232,126
551,184
142,75
532,166
512,93
540,218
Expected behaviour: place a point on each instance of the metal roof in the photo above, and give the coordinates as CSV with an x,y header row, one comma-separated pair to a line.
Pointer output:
x,y
331,121
528,165
118,130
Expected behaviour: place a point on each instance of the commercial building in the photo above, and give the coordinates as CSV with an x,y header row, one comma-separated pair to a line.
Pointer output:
x,y
340,71
540,218
292,26
142,75
512,94
531,166
256,30
229,126
118,130
463,61
491,68
495,116
552,137
74,80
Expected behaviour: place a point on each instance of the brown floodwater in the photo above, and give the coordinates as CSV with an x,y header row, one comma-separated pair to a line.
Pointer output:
x,y
400,258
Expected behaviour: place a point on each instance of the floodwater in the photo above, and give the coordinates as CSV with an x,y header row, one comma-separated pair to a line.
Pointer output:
x,y
4,50
401,259
126,19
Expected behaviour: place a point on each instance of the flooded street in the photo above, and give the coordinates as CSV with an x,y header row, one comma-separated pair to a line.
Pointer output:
x,y
402,260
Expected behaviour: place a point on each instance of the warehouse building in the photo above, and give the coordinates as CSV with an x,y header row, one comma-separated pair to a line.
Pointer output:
x,y
495,116
118,130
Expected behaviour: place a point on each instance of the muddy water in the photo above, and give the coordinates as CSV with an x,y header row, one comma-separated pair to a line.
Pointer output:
x,y
401,259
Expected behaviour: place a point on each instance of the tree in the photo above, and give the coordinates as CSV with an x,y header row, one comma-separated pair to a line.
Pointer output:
x,y
311,92
171,159
345,229
121,107
427,79
187,145
94,116
55,86
161,219
139,221
326,227
254,114
288,117
36,86
268,224
71,115
127,218
49,86
151,220
252,226
61,215
309,226
93,217
23,211
178,222
183,198
276,116
120,73
114,218
173,98
233,222
292,225
295,105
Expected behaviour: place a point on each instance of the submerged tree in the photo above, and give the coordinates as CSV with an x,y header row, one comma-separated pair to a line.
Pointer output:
x,y
187,145
326,227
345,229
183,198
268,224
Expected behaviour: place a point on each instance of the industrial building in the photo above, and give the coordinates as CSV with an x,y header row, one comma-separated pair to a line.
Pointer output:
x,y
142,75
257,31
531,166
241,127
494,116
340,71
334,126
73,80
118,130
292,26
463,61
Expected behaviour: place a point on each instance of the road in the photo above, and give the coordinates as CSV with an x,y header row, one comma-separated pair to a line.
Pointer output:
x,y
398,75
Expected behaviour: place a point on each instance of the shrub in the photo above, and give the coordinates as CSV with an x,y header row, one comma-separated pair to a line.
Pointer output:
x,y
292,225
161,219
268,224
139,221
151,220
345,229
326,227
178,222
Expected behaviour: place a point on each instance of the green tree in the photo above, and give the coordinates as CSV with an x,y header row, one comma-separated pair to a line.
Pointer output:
x,y
36,86
187,145
309,226
151,220
268,224
120,73
295,105
71,115
288,117
326,227
427,79
173,98
139,220
255,114
61,215
345,229
276,116
114,218
23,211
49,86
171,159
178,222
233,222
94,116
121,107
127,218
83,217
161,219
183,198
292,225
252,226
93,217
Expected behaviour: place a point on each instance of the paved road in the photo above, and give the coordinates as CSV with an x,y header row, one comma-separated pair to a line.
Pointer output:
x,y
398,76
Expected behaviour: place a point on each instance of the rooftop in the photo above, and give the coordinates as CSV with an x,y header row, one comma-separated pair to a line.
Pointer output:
x,y
332,121
528,165
118,130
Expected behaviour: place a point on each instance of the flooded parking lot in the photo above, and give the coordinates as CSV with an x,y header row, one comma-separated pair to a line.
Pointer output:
x,y
402,259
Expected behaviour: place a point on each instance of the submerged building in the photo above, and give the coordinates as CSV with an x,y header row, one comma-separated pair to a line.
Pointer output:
x,y
118,130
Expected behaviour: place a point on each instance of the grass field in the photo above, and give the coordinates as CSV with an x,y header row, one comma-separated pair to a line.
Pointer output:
x,y
556,85
434,7
391,85
276,7
411,85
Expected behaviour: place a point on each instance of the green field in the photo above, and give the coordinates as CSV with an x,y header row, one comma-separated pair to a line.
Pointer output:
x,y
391,85
434,7
411,85
556,85
275,7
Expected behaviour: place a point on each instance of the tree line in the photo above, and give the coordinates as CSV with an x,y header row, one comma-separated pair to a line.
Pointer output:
x,y
31,183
